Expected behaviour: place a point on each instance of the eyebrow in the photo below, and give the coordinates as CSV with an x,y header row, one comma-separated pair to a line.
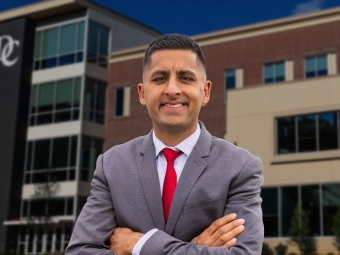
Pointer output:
x,y
159,72
181,72
186,72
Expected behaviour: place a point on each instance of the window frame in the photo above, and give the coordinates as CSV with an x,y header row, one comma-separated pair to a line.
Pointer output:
x,y
33,116
274,64
296,128
315,65
41,29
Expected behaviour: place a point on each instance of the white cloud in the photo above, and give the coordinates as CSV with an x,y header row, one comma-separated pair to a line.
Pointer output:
x,y
310,6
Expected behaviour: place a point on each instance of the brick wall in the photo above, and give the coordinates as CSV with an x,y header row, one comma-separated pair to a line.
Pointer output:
x,y
248,53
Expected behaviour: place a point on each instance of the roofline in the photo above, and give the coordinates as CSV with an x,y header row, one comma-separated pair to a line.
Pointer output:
x,y
38,11
270,24
267,27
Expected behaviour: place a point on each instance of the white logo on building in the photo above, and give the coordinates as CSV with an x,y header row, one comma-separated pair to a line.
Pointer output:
x,y
7,45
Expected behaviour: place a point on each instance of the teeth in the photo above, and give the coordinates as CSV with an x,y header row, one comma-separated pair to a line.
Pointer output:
x,y
174,105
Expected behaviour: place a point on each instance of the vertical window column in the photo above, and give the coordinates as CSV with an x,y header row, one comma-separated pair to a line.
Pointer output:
x,y
91,148
94,101
98,44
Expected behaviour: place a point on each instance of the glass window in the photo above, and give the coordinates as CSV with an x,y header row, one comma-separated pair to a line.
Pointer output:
x,y
315,132
330,205
29,156
57,102
316,66
270,211
98,44
307,132
64,94
322,65
286,135
61,45
310,196
69,210
274,72
38,43
289,198
68,38
50,42
94,101
41,154
60,152
91,148
328,134
53,159
119,102
46,97
230,79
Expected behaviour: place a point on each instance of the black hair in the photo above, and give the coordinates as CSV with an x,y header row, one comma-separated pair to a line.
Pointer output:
x,y
173,42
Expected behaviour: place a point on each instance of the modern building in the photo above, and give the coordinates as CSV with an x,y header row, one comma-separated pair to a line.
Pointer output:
x,y
53,80
276,92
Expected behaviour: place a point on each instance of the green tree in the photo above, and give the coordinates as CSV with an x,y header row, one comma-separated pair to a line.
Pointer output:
x,y
281,249
336,230
300,232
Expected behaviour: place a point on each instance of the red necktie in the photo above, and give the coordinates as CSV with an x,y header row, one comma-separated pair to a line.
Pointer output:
x,y
170,180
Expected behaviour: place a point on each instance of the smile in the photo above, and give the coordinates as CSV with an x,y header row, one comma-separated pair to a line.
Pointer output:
x,y
174,105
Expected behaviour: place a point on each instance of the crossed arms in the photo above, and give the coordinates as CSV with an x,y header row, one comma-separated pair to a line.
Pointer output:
x,y
97,220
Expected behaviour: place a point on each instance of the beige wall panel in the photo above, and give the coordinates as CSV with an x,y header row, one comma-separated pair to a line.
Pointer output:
x,y
267,174
253,101
324,245
233,104
334,90
336,170
299,173
253,135
289,70
311,93
232,129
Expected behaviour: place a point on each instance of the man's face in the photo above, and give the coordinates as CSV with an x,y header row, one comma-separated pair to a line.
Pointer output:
x,y
174,89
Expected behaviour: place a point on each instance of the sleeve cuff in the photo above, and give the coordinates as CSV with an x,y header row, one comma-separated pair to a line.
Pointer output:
x,y
139,245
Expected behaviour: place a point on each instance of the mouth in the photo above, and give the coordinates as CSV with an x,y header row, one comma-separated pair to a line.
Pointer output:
x,y
174,105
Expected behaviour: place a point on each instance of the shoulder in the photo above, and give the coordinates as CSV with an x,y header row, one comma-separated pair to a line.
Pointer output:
x,y
230,152
128,149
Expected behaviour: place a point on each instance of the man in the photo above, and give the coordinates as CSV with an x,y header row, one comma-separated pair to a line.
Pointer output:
x,y
168,192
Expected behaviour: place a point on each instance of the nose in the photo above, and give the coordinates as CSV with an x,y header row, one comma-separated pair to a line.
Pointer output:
x,y
172,87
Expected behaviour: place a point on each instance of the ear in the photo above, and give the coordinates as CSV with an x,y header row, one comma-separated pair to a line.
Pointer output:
x,y
206,89
140,88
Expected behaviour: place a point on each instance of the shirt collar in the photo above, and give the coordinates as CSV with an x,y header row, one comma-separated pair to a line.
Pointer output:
x,y
186,146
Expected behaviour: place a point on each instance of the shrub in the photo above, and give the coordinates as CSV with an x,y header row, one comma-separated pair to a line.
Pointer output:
x,y
281,249
266,250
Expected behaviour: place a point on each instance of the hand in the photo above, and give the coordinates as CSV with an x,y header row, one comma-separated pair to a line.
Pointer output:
x,y
221,232
123,240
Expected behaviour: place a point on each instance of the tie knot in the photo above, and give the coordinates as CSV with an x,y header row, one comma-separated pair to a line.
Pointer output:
x,y
170,155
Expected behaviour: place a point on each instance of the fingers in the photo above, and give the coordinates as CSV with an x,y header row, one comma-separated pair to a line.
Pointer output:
x,y
230,243
222,232
217,224
226,234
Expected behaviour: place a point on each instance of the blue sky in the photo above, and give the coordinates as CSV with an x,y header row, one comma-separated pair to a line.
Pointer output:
x,y
201,16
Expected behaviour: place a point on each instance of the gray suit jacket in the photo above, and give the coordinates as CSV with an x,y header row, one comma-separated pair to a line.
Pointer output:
x,y
218,178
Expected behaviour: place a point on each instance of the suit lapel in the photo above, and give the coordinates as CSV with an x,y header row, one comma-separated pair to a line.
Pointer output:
x,y
194,167
149,178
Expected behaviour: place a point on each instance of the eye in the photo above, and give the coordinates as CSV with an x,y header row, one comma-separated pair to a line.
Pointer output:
x,y
159,79
186,78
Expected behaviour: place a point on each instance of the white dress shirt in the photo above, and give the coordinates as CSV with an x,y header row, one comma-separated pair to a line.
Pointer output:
x,y
186,146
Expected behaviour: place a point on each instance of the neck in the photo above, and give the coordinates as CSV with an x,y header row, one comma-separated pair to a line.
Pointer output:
x,y
172,137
